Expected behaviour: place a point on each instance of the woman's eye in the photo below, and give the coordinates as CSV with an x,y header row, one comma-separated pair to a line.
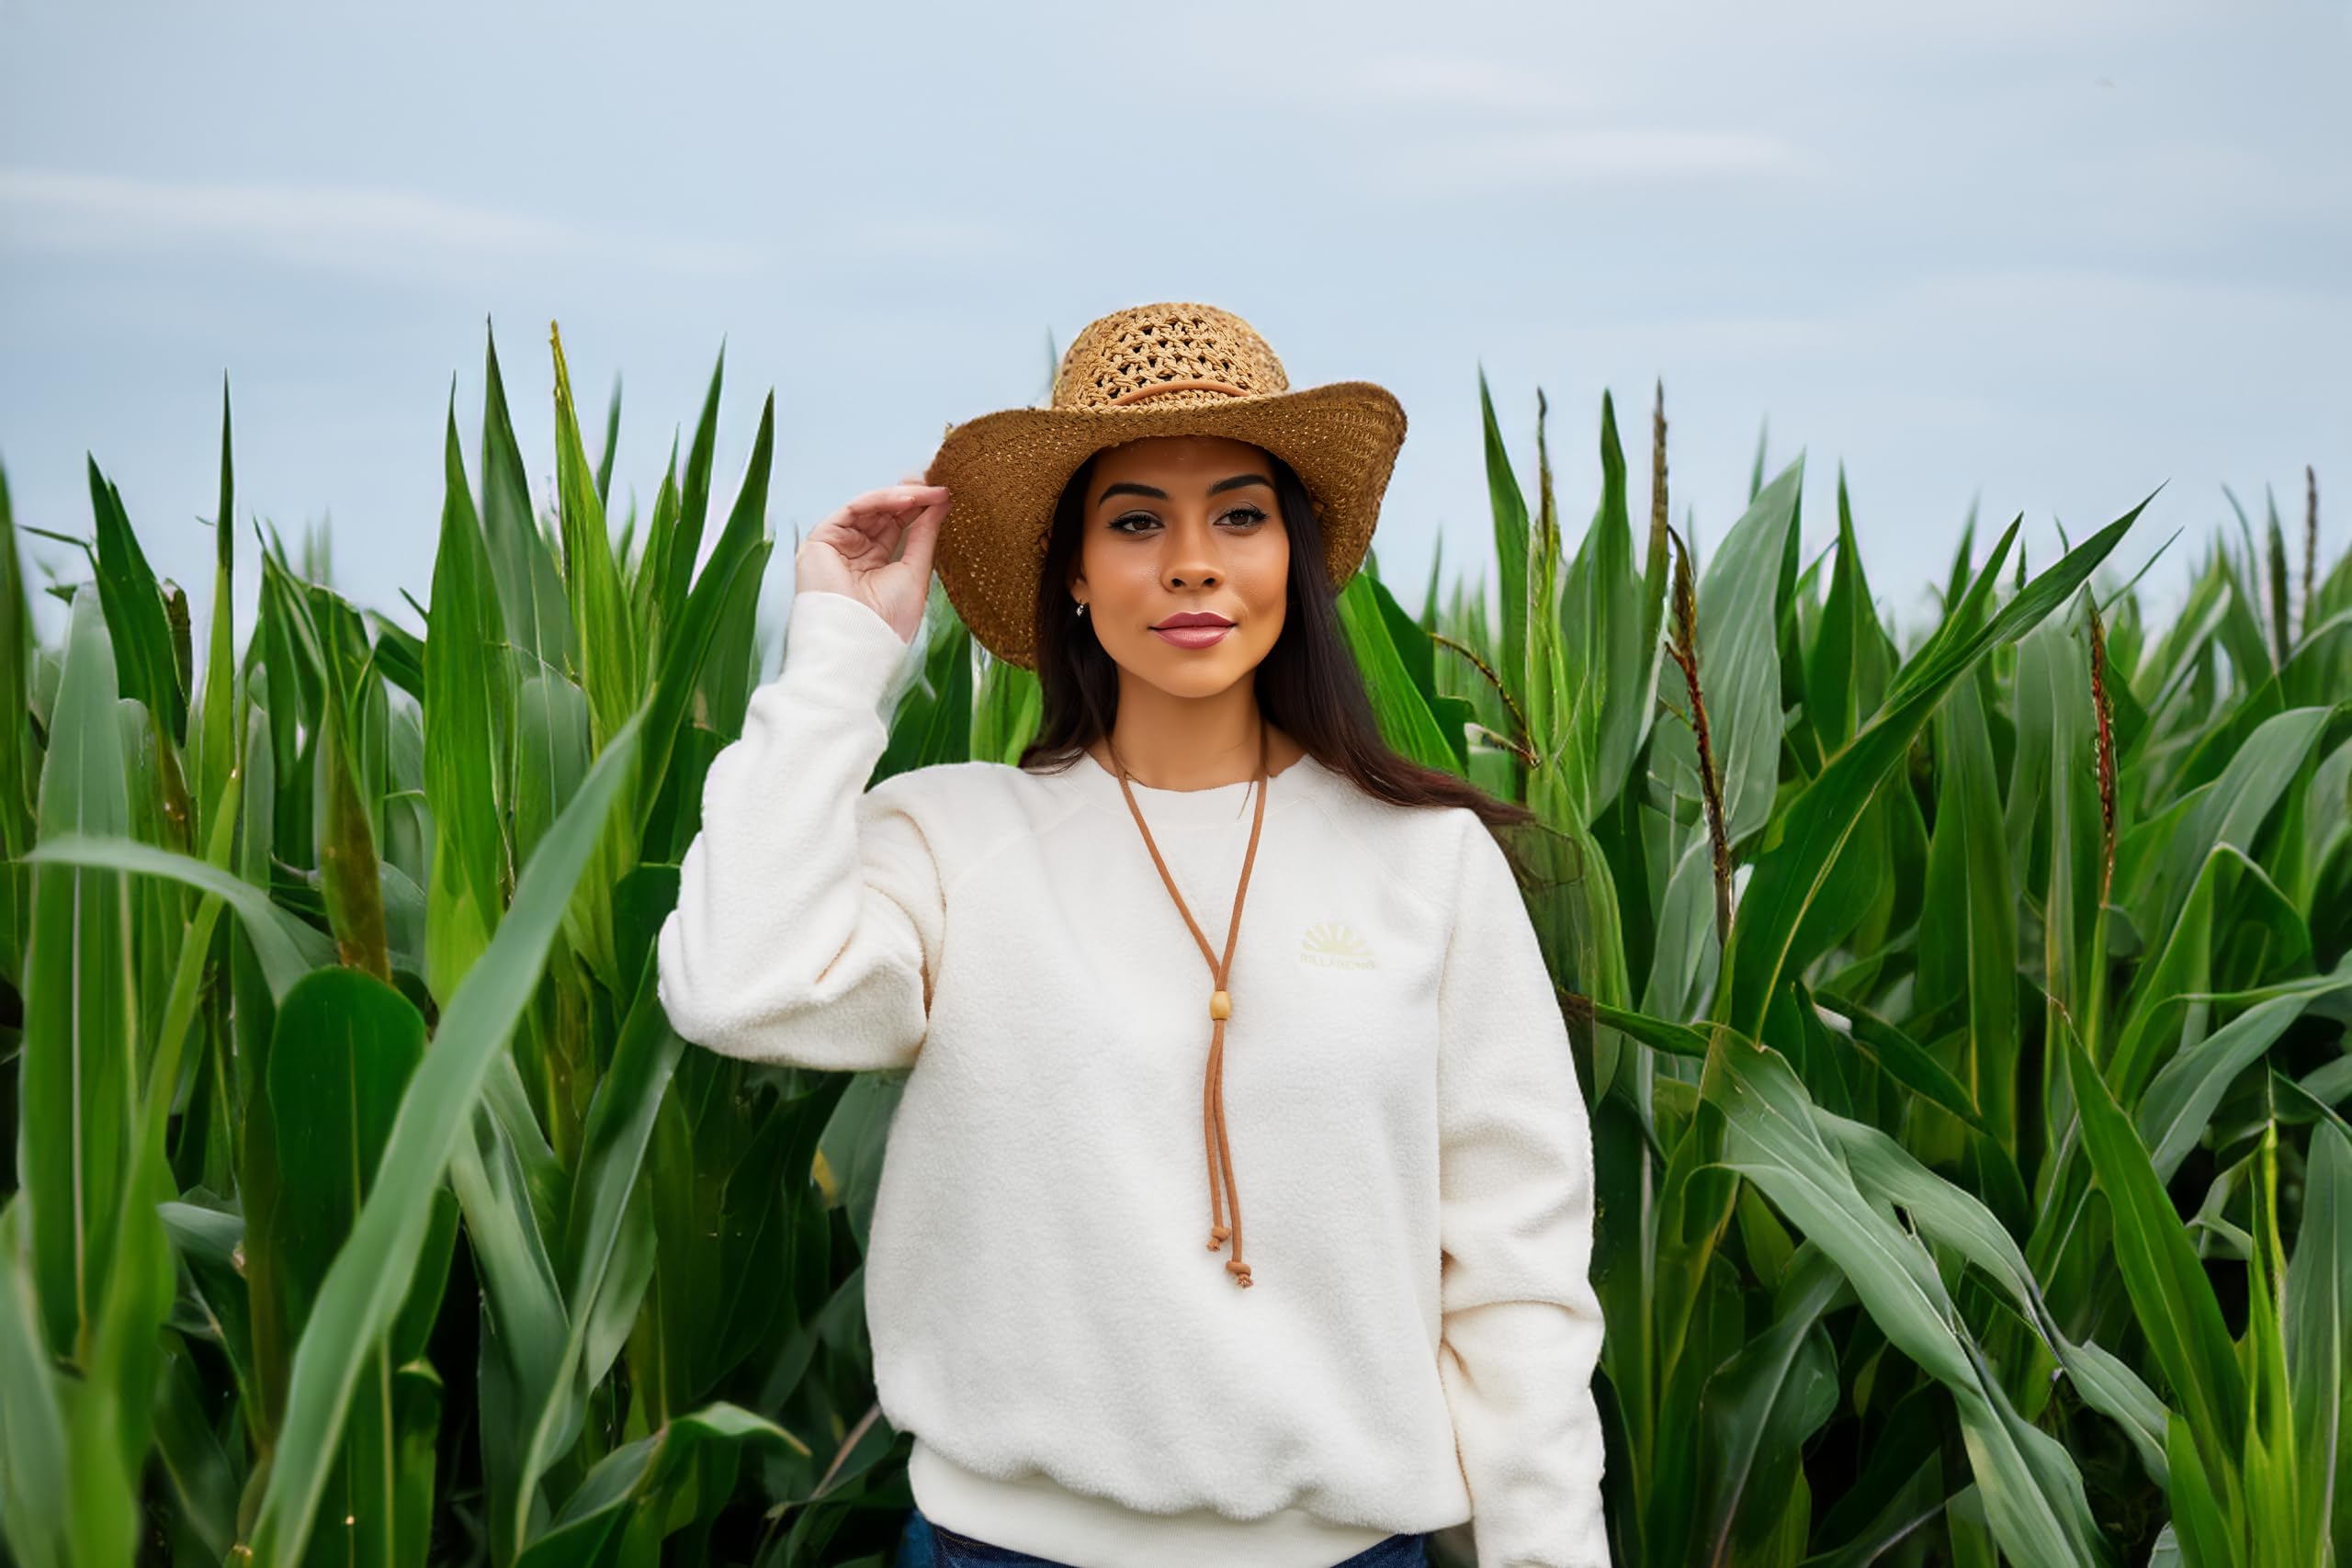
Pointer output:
x,y
1247,516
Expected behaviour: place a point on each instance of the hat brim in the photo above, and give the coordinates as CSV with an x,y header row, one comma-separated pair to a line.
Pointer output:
x,y
1005,470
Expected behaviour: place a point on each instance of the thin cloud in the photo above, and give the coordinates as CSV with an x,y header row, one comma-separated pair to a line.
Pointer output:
x,y
915,238
1597,155
336,228
2075,318
1456,81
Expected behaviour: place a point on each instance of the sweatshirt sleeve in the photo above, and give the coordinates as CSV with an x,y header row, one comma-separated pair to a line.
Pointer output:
x,y
1521,1322
810,908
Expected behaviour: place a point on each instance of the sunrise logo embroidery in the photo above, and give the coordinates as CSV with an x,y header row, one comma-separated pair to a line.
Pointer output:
x,y
1333,944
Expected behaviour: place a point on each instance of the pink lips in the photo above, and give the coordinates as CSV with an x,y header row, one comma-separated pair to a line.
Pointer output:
x,y
1193,635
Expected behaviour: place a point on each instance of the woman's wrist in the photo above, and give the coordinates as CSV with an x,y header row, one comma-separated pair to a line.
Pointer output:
x,y
839,644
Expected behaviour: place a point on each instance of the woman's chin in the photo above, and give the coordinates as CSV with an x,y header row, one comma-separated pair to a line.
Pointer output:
x,y
1207,673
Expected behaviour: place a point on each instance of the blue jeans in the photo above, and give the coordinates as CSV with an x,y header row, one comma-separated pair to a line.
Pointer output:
x,y
927,1545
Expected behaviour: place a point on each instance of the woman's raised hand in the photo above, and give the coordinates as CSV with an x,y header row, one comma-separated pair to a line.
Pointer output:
x,y
850,552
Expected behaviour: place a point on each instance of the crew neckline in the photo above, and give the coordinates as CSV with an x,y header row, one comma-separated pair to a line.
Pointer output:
x,y
1217,806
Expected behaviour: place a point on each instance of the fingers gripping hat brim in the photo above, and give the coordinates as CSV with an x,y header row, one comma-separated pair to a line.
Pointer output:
x,y
1005,470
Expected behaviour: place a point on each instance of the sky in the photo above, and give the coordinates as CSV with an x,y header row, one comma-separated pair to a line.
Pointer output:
x,y
2040,258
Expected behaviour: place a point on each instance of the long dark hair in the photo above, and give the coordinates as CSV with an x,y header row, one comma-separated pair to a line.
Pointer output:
x,y
1309,684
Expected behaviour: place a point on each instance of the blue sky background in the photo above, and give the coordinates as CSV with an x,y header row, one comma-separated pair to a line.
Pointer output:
x,y
2045,256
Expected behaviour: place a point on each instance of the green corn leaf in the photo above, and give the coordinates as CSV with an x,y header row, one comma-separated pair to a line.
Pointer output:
x,y
620,1128
1951,1217
2282,1529
202,1479
2033,1495
2172,1114
1905,1060
1406,722
363,1289
1846,670
287,947
620,1512
217,731
347,1047
1740,667
2235,806
612,444
738,562
653,614
694,499
530,585
465,896
525,1323
79,1072
2169,1293
1968,925
1657,1033
134,611
2168,996
111,1418
1762,1407
1419,653
2201,1532
398,655
1611,629
1511,543
1789,876
19,660
2318,1313
36,1505
609,670
349,871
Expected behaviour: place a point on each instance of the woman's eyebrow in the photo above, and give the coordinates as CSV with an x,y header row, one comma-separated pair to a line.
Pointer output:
x,y
1128,487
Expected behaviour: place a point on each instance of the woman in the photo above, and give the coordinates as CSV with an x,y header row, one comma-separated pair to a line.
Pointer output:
x,y
1056,951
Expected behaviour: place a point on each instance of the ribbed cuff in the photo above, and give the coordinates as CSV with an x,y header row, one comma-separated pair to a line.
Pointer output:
x,y
839,647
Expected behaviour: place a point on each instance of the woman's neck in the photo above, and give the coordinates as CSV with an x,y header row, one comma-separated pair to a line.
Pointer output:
x,y
1184,743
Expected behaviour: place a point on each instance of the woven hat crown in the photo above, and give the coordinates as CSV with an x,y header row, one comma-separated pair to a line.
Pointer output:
x,y
1174,354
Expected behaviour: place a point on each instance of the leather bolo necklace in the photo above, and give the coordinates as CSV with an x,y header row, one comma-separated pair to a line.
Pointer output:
x,y
1212,1132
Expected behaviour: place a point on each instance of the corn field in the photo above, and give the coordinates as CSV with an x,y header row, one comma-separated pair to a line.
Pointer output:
x,y
1963,1009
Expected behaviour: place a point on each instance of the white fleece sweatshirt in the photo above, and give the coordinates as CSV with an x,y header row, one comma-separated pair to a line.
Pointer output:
x,y
1084,1380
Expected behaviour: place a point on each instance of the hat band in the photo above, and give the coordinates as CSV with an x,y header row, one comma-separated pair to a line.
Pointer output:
x,y
1138,394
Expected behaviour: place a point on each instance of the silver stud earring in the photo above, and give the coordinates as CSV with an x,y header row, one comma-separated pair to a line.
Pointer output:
x,y
1082,606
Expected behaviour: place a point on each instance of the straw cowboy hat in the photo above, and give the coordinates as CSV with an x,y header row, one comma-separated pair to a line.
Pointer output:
x,y
1177,368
